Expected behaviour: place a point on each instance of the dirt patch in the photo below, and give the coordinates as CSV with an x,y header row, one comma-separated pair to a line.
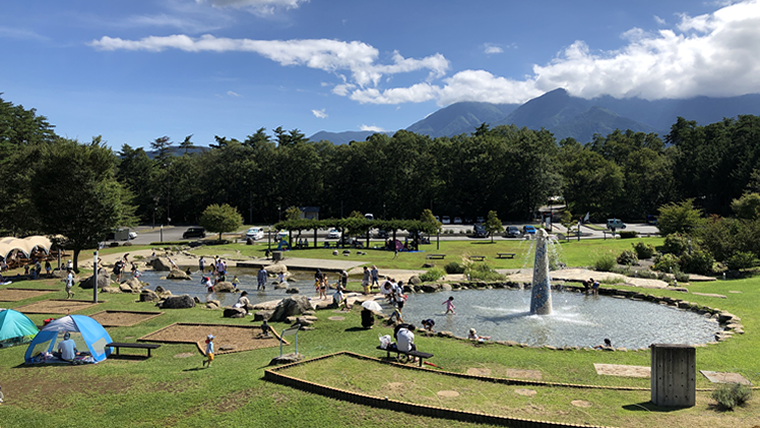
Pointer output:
x,y
55,306
526,392
476,371
122,318
336,318
581,403
620,370
523,374
228,338
16,294
184,355
448,394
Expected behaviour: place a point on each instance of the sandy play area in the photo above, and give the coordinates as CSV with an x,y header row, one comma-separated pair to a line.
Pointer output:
x,y
55,306
122,318
229,338
16,294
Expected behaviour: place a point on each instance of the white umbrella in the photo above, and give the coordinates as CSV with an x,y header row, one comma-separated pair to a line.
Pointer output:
x,y
372,306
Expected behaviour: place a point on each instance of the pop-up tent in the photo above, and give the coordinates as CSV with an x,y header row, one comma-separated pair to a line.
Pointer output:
x,y
92,336
15,328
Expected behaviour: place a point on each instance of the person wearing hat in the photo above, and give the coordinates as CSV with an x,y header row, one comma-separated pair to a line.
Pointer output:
x,y
209,350
67,348
474,336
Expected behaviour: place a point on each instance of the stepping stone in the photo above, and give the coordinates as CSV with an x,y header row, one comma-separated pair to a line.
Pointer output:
x,y
621,370
735,292
336,318
720,296
448,394
475,371
724,377
526,392
580,403
185,355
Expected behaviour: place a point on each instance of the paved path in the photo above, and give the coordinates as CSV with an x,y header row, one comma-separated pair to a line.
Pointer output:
x,y
526,275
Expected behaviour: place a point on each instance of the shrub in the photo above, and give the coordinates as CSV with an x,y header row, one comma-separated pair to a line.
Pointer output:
x,y
647,274
604,263
627,257
623,270
698,261
454,267
628,234
681,277
483,272
740,260
643,250
675,244
729,396
665,263
433,274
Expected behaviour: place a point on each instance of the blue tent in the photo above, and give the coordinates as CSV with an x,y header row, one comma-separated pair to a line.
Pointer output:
x,y
92,336
15,328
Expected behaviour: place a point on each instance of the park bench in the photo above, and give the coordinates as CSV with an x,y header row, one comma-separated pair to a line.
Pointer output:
x,y
147,346
505,255
477,258
436,256
421,355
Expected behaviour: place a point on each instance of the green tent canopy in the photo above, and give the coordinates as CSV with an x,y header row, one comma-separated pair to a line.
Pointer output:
x,y
15,328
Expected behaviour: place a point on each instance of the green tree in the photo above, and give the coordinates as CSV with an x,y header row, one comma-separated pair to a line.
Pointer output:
x,y
221,219
76,194
747,207
293,213
680,217
493,224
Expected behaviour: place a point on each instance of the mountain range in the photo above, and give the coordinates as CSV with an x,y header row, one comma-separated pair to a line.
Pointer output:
x,y
568,116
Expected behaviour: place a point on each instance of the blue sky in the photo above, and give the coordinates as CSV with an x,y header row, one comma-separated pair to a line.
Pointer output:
x,y
133,71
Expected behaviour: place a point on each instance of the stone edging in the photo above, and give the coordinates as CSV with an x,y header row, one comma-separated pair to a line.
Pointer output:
x,y
273,375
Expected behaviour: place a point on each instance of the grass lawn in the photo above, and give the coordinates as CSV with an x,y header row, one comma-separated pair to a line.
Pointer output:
x,y
171,389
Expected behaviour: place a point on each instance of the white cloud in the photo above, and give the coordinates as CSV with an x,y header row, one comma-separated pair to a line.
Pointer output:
x,y
19,33
319,113
233,94
491,49
659,20
259,7
372,128
716,54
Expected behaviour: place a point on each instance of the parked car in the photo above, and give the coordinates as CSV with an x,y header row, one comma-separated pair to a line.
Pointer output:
x,y
468,220
652,220
334,234
615,223
480,231
512,232
194,232
437,218
255,233
369,216
528,229
457,220
480,219
132,234
381,234
446,220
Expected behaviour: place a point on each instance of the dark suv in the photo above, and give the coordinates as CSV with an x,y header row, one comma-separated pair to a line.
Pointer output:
x,y
194,232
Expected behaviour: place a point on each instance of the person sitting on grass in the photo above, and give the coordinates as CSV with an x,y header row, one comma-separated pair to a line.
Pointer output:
x,y
67,348
243,302
607,345
339,299
474,336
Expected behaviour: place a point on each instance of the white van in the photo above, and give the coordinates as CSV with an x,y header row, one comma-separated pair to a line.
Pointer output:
x,y
615,223
255,233
369,216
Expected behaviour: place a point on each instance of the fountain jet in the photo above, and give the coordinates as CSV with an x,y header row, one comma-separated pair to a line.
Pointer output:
x,y
541,296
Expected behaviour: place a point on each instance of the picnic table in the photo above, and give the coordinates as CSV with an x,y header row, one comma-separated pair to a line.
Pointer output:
x,y
505,255
478,258
436,256
133,345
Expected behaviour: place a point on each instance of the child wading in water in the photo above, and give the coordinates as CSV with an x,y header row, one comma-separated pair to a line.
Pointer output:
x,y
209,350
450,306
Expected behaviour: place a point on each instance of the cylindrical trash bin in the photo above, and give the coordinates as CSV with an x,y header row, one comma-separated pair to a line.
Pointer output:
x,y
674,375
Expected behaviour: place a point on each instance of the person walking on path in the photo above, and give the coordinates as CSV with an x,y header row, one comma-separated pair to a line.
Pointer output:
x,y
375,277
48,268
209,350
365,280
69,283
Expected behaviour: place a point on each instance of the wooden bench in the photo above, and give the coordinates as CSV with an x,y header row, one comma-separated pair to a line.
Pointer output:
x,y
147,346
421,355
478,258
436,256
505,255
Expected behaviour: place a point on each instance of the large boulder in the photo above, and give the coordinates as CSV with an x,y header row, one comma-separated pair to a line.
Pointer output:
x,y
292,290
224,287
148,296
234,313
415,280
134,284
159,264
430,287
289,306
104,280
277,268
178,302
178,274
